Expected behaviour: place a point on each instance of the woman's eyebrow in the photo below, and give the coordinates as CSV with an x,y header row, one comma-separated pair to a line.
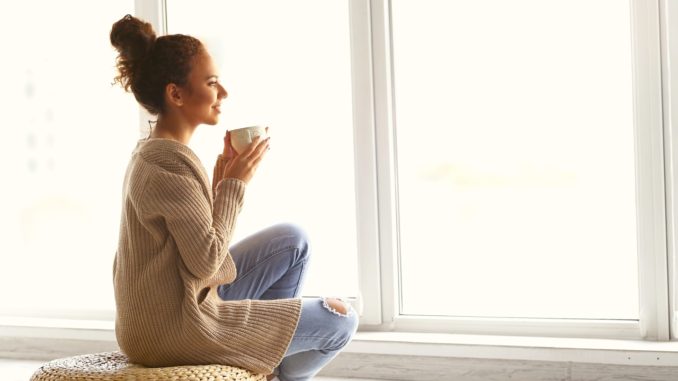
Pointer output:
x,y
212,76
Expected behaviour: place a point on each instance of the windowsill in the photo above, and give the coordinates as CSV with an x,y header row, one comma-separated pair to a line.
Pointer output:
x,y
607,351
515,341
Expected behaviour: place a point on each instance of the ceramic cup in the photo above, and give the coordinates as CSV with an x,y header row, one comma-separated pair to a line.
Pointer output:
x,y
241,138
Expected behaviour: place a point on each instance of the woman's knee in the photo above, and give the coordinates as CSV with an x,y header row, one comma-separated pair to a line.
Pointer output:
x,y
348,324
297,237
336,305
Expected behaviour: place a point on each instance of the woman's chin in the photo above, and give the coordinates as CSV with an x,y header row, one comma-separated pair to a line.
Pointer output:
x,y
212,121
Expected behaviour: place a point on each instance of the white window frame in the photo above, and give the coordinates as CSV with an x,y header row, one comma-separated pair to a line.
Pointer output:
x,y
375,123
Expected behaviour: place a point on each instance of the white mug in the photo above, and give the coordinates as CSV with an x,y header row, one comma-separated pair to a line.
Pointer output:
x,y
241,138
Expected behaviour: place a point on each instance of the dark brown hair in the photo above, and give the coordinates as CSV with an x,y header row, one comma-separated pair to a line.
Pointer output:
x,y
147,64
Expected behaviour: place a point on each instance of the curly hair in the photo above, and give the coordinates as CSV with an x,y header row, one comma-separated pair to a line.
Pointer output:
x,y
147,64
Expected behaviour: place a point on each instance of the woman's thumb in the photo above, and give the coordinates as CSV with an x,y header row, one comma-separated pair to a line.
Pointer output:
x,y
228,148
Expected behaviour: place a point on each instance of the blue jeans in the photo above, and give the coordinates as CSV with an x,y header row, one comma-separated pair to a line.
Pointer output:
x,y
272,264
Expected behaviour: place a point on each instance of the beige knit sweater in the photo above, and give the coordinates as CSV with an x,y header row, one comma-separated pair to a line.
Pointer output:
x,y
172,254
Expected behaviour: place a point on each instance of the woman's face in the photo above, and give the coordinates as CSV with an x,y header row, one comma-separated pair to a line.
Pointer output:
x,y
203,92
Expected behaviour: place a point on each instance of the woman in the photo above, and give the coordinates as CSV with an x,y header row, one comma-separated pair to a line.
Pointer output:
x,y
183,295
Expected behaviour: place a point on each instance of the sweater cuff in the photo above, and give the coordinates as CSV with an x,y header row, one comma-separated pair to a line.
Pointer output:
x,y
228,201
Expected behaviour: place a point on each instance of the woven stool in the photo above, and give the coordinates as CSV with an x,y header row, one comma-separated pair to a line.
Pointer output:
x,y
113,366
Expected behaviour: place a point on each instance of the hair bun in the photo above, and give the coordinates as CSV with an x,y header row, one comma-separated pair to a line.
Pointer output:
x,y
133,39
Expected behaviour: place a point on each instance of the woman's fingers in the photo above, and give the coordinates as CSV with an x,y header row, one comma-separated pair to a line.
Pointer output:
x,y
257,147
255,152
228,151
259,152
243,165
252,147
227,138
257,159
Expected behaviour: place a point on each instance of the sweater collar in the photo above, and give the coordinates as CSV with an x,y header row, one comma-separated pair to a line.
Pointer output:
x,y
167,144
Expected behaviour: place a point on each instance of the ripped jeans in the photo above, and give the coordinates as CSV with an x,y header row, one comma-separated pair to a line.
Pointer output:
x,y
272,264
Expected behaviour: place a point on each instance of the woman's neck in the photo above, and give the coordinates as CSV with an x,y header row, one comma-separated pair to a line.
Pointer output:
x,y
172,128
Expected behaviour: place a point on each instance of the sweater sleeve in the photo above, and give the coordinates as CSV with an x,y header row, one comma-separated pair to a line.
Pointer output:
x,y
202,232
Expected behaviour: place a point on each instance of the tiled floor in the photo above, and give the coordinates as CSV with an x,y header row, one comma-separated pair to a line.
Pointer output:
x,y
21,370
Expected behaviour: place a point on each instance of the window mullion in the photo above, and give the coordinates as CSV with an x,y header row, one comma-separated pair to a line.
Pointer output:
x,y
367,223
384,120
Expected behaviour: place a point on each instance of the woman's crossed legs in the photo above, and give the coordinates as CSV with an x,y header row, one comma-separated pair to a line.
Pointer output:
x,y
272,264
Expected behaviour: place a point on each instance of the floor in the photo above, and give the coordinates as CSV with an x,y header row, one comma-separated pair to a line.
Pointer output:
x,y
16,370
21,370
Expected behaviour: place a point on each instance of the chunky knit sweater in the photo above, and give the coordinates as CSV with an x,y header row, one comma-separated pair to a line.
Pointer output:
x,y
172,254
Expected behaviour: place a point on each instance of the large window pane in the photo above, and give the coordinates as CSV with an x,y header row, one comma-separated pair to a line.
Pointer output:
x,y
68,134
286,64
516,158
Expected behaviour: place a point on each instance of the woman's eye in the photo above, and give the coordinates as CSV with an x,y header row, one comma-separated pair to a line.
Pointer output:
x,y
213,83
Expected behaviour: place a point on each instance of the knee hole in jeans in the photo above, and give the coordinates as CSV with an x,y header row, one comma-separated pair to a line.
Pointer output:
x,y
336,306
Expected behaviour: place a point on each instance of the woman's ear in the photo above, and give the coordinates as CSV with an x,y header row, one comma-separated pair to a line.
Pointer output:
x,y
173,94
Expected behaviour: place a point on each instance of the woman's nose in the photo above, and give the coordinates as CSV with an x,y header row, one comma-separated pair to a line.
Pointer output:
x,y
223,93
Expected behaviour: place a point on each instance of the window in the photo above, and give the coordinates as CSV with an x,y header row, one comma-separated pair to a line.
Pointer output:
x,y
515,157
287,65
68,136
460,168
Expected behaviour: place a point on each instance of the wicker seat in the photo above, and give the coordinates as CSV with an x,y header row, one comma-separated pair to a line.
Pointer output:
x,y
113,366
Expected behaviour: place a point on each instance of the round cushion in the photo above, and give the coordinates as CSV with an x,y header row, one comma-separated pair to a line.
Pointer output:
x,y
113,366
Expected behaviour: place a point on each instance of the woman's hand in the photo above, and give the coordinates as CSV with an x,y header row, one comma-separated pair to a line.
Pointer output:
x,y
227,154
242,166
239,166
